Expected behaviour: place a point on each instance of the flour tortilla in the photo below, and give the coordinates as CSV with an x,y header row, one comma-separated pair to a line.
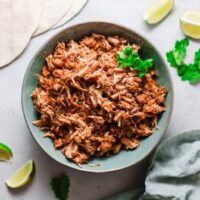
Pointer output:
x,y
53,11
76,7
17,24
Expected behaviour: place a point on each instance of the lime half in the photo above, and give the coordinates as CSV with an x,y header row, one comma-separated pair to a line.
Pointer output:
x,y
158,11
5,152
190,24
22,176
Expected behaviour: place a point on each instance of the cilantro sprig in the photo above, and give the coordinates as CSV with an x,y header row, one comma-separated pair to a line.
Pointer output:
x,y
130,59
60,186
187,72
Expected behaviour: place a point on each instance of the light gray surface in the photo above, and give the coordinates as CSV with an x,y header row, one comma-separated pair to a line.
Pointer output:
x,y
85,186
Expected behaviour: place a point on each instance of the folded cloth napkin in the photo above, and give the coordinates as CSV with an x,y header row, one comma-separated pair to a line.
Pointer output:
x,y
174,173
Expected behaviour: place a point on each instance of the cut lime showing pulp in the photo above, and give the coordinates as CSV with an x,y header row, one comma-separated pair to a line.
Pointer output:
x,y
190,24
5,152
22,176
158,11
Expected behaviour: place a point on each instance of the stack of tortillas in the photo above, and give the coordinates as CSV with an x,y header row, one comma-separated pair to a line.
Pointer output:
x,y
22,19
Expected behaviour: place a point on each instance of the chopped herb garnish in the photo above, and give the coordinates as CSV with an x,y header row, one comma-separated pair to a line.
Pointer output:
x,y
130,59
60,186
177,55
187,72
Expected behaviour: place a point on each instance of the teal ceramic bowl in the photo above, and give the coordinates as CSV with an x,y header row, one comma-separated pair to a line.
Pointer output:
x,y
124,158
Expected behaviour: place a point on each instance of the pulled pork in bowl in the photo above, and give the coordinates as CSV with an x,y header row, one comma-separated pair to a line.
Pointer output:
x,y
93,104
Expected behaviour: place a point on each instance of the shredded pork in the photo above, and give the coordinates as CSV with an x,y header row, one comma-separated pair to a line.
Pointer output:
x,y
89,106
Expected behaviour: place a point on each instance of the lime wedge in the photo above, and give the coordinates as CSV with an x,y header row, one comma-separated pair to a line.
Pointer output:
x,y
22,176
158,11
5,152
190,24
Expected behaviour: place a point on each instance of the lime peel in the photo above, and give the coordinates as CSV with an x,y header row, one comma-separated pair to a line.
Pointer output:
x,y
22,176
190,24
5,153
158,11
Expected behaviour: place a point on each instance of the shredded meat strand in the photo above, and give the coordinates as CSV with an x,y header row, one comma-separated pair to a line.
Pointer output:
x,y
89,106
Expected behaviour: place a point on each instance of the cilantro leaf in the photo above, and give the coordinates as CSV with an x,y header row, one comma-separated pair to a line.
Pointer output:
x,y
130,59
182,69
180,50
171,59
197,59
187,72
60,186
192,74
128,50
121,56
177,55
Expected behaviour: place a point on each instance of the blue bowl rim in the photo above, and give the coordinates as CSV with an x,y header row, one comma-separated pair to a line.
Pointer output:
x,y
171,102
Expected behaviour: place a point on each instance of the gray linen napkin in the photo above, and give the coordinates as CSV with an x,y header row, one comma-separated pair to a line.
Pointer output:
x,y
175,170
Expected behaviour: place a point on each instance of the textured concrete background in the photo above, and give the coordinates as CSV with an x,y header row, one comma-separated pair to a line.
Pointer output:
x,y
86,186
